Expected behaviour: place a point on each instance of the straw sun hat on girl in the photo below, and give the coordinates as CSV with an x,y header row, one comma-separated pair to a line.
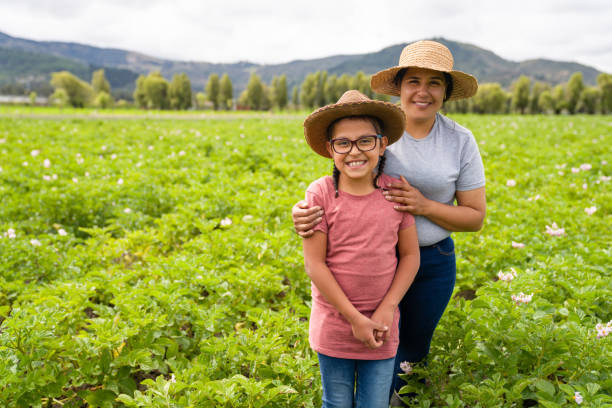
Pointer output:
x,y
430,55
352,103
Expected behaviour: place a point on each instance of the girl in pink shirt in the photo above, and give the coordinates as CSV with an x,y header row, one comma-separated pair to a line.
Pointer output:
x,y
357,280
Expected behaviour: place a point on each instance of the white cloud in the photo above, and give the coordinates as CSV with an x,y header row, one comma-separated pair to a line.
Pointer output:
x,y
268,31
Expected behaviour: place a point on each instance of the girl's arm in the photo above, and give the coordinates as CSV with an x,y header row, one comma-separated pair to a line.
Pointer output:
x,y
467,215
407,268
315,249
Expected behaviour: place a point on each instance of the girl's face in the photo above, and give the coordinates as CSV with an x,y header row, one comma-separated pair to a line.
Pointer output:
x,y
422,93
356,164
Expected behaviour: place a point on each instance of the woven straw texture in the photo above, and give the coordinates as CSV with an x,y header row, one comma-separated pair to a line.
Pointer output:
x,y
430,55
352,103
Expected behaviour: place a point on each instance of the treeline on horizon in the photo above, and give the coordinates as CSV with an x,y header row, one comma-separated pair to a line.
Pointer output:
x,y
153,91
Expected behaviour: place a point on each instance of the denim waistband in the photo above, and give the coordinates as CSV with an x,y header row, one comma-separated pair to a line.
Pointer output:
x,y
435,244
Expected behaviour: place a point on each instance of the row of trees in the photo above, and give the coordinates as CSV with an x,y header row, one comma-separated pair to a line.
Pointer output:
x,y
540,97
153,91
68,89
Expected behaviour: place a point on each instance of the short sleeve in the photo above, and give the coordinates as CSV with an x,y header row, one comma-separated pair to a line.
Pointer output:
x,y
471,174
314,196
407,221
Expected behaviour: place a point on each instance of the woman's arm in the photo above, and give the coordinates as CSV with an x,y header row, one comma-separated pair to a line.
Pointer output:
x,y
315,250
304,218
407,268
467,215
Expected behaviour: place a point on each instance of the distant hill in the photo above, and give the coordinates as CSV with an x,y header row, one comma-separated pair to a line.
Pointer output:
x,y
28,61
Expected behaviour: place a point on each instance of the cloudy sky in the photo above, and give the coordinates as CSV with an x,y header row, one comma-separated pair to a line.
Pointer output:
x,y
266,31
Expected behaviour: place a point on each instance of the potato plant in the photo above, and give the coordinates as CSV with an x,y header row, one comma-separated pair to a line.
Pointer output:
x,y
149,262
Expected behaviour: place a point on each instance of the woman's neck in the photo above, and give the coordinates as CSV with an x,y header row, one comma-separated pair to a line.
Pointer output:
x,y
419,129
360,186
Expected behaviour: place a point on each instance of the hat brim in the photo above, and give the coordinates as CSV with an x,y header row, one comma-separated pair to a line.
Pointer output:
x,y
316,124
464,85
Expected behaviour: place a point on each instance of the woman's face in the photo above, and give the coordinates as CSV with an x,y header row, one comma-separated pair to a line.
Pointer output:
x,y
422,93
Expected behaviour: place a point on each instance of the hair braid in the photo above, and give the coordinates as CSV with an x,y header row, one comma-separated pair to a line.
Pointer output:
x,y
336,175
381,167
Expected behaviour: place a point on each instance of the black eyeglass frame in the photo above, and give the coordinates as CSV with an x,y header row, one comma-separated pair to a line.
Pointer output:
x,y
354,143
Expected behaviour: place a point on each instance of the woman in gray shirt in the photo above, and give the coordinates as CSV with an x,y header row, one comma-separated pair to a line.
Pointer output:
x,y
438,163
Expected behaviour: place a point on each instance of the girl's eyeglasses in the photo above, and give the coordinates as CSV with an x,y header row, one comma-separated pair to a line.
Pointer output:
x,y
363,144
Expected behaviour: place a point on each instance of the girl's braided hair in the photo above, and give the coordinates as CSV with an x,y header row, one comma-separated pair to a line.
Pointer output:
x,y
381,161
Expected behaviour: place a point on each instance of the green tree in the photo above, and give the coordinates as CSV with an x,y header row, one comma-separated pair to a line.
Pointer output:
x,y
255,97
342,85
520,94
332,92
140,97
490,98
212,90
575,86
546,103
458,106
243,100
201,100
604,81
295,98
59,98
103,100
267,98
79,92
279,91
320,97
308,92
589,101
156,89
534,98
361,82
99,82
32,97
226,92
180,92
381,97
559,101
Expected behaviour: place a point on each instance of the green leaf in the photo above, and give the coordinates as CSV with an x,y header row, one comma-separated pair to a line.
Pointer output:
x,y
100,398
545,386
567,389
105,360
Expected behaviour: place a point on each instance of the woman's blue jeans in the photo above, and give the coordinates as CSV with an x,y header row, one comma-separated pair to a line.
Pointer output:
x,y
355,383
424,303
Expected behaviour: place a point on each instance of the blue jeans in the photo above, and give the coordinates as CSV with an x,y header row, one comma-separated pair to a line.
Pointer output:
x,y
355,383
424,303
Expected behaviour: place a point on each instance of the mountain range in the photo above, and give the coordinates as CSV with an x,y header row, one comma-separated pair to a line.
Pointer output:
x,y
30,63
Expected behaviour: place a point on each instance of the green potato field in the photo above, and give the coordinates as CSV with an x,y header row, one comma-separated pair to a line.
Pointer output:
x,y
151,262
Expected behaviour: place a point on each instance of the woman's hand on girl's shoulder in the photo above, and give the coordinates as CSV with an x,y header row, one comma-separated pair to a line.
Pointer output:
x,y
407,197
305,218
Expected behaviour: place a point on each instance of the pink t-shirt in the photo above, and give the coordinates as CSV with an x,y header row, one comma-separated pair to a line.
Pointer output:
x,y
362,234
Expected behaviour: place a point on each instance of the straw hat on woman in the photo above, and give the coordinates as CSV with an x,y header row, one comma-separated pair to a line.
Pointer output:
x,y
439,163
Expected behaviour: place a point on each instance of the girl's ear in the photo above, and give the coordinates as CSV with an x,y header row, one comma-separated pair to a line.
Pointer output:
x,y
329,149
383,144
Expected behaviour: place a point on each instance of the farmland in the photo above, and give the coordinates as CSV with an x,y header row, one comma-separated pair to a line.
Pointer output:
x,y
152,262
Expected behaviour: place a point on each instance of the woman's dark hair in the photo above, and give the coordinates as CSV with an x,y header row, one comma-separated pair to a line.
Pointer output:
x,y
448,79
376,123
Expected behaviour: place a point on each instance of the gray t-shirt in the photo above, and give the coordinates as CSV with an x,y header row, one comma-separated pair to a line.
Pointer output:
x,y
445,161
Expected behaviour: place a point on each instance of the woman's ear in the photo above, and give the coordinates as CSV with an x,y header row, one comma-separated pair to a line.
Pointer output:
x,y
329,149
